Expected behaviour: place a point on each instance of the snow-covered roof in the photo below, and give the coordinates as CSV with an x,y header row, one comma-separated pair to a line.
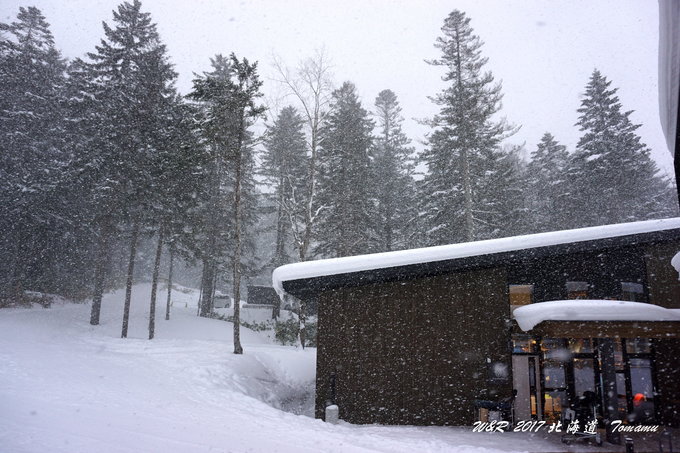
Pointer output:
x,y
335,266
529,316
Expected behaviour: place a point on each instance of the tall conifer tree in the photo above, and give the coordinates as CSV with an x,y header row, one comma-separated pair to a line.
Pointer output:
x,y
132,82
285,165
228,98
392,179
346,221
33,156
547,185
613,177
463,145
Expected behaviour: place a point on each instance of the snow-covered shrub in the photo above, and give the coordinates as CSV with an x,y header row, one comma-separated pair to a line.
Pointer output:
x,y
310,334
286,332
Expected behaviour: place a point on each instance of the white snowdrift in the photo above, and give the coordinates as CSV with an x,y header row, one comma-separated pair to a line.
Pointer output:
x,y
529,316
336,266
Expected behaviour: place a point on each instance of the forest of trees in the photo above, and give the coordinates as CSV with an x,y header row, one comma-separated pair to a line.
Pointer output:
x,y
104,166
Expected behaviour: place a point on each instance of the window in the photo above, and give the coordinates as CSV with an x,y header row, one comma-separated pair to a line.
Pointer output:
x,y
520,295
555,357
555,401
633,292
523,344
553,374
639,346
577,290
581,345
584,376
642,390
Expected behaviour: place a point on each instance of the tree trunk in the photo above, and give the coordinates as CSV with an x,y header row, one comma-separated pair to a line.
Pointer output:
x,y
311,189
279,254
200,299
167,303
100,273
276,309
154,284
467,187
207,287
15,289
238,213
302,318
130,272
213,288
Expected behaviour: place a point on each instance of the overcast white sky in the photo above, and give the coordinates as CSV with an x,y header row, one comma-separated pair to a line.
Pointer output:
x,y
543,51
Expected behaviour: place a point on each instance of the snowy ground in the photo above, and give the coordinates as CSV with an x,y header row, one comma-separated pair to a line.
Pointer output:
x,y
66,386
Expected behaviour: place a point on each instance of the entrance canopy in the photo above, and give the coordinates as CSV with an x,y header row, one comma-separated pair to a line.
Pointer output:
x,y
597,318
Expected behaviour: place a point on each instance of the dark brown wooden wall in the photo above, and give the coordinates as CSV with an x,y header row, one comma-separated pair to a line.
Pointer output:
x,y
667,365
664,290
603,270
414,352
662,278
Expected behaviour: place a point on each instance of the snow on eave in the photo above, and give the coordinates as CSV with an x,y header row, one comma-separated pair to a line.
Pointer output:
x,y
350,264
675,262
529,316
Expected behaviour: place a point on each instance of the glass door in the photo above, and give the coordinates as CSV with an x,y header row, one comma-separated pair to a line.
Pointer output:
x,y
526,382
555,397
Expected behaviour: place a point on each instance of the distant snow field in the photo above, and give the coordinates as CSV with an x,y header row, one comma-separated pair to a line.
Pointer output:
x,y
67,386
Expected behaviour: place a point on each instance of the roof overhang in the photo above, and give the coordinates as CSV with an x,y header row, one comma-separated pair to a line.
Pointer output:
x,y
307,279
608,329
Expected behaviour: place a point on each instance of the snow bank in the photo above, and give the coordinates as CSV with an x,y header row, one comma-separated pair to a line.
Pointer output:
x,y
528,316
336,266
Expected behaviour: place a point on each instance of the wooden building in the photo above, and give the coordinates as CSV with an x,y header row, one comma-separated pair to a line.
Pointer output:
x,y
419,336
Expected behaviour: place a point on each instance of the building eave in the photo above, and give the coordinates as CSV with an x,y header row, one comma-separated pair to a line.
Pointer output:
x,y
307,287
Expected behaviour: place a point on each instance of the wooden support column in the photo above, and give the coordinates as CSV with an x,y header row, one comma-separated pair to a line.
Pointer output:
x,y
610,399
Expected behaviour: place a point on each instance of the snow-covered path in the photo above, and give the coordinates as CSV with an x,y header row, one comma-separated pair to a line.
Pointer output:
x,y
66,386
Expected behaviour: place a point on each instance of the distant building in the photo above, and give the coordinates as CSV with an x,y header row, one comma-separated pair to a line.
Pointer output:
x,y
421,336
221,301
262,295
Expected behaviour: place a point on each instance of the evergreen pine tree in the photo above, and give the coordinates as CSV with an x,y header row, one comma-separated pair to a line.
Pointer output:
x,y
175,175
213,220
228,96
612,175
392,179
501,207
464,143
132,83
33,156
285,165
547,186
346,222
